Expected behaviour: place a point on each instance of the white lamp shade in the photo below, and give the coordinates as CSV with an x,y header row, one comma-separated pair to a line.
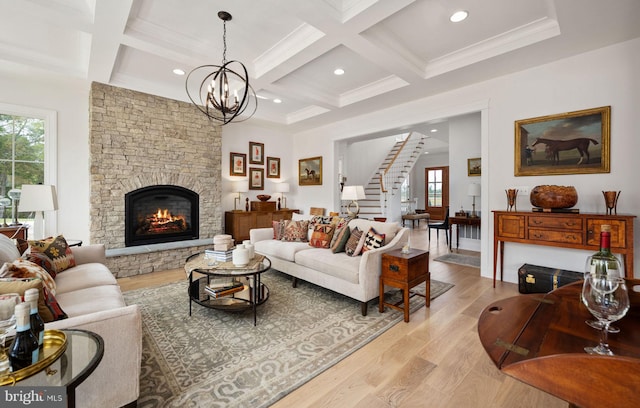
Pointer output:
x,y
474,190
38,197
240,187
353,193
282,187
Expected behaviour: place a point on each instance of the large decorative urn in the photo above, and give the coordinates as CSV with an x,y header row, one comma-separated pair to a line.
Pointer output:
x,y
553,197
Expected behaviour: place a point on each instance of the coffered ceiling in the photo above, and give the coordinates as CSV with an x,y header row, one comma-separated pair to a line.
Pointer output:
x,y
392,51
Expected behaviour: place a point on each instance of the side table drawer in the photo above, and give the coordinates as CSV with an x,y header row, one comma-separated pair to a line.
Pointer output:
x,y
568,237
404,269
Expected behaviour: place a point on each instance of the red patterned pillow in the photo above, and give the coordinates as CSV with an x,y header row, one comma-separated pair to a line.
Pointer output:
x,y
57,250
373,240
41,260
295,231
52,304
321,237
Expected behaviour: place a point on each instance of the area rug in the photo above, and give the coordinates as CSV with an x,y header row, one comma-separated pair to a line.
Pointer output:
x,y
460,259
219,359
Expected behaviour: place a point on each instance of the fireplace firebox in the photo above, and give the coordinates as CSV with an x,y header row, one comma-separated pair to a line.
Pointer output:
x,y
161,213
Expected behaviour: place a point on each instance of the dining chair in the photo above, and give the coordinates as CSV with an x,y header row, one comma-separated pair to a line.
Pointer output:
x,y
443,225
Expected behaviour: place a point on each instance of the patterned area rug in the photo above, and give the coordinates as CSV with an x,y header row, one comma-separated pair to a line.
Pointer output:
x,y
460,259
219,359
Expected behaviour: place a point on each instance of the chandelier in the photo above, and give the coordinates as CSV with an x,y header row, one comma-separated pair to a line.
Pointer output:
x,y
222,92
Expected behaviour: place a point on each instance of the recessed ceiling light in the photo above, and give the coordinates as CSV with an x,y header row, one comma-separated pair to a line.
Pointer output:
x,y
261,97
277,100
178,71
426,152
339,71
459,16
434,130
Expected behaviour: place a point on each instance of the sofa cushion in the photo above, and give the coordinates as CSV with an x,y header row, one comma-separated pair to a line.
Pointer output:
x,y
90,300
372,240
280,249
354,243
57,250
296,231
321,236
84,276
340,242
21,268
324,261
8,250
389,229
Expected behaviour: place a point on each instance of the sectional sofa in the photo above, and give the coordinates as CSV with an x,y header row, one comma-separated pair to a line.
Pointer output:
x,y
354,276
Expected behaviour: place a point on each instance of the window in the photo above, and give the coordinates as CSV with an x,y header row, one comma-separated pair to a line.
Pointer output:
x,y
434,188
27,155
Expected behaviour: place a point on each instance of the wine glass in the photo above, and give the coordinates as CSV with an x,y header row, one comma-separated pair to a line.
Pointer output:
x,y
596,266
607,298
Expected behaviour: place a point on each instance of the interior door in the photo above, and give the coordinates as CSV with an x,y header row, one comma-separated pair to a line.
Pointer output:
x,y
436,191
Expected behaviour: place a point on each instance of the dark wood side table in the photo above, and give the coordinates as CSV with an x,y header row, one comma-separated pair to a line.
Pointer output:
x,y
460,221
404,271
17,231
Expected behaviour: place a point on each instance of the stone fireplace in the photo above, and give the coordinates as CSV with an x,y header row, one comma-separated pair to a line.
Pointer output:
x,y
138,141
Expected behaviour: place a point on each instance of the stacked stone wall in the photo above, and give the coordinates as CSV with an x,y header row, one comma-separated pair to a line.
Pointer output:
x,y
139,140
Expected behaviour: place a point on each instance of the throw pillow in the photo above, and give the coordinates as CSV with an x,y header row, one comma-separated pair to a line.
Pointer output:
x,y
340,242
354,245
340,223
57,250
21,268
278,229
19,286
41,260
321,237
295,231
22,245
373,240
8,250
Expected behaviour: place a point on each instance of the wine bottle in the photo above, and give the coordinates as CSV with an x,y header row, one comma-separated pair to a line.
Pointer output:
x,y
603,262
37,325
24,350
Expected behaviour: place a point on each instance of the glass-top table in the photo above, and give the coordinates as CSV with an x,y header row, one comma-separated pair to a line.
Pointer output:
x,y
84,351
248,290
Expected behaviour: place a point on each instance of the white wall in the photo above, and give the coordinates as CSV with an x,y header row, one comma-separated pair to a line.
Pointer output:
x,y
70,100
603,77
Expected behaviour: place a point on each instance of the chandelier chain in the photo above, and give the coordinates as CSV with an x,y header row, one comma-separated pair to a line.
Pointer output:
x,y
224,42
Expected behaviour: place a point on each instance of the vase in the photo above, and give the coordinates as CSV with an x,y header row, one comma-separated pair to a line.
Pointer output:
x,y
611,201
553,197
240,256
512,194
249,246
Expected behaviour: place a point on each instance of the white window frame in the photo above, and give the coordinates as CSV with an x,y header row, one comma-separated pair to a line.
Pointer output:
x,y
50,118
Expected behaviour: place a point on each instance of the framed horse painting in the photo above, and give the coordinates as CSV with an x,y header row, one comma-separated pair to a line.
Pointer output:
x,y
567,143
310,171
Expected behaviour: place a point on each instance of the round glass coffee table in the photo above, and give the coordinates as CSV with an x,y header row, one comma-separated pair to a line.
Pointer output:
x,y
223,286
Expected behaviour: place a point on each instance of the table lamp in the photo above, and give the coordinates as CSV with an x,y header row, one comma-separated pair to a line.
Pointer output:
x,y
4,203
353,193
14,195
239,187
282,188
474,191
38,198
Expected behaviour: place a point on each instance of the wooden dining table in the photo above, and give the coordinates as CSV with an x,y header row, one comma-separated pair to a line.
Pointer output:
x,y
539,339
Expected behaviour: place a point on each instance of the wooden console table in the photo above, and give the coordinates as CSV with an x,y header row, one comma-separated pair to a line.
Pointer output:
x,y
239,223
577,231
540,340
460,221
16,232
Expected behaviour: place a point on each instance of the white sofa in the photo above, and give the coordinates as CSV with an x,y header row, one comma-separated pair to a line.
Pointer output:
x,y
357,277
89,294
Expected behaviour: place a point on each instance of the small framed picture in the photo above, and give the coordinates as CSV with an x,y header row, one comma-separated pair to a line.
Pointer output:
x,y
273,167
256,178
237,164
256,155
474,167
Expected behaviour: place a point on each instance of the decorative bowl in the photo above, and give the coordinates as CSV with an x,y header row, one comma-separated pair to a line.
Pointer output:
x,y
548,196
263,197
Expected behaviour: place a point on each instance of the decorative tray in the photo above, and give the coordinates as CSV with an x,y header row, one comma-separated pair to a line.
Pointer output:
x,y
53,345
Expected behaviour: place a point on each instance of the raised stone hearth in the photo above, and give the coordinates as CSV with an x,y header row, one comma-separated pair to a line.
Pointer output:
x,y
139,140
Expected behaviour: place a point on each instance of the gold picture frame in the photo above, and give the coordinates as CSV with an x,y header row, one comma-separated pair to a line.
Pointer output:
x,y
568,143
273,167
310,171
256,178
474,167
256,153
237,164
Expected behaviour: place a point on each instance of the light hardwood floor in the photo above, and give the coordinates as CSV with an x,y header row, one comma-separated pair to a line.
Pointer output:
x,y
435,360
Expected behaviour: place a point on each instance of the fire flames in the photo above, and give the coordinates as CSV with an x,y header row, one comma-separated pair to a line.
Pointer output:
x,y
161,222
